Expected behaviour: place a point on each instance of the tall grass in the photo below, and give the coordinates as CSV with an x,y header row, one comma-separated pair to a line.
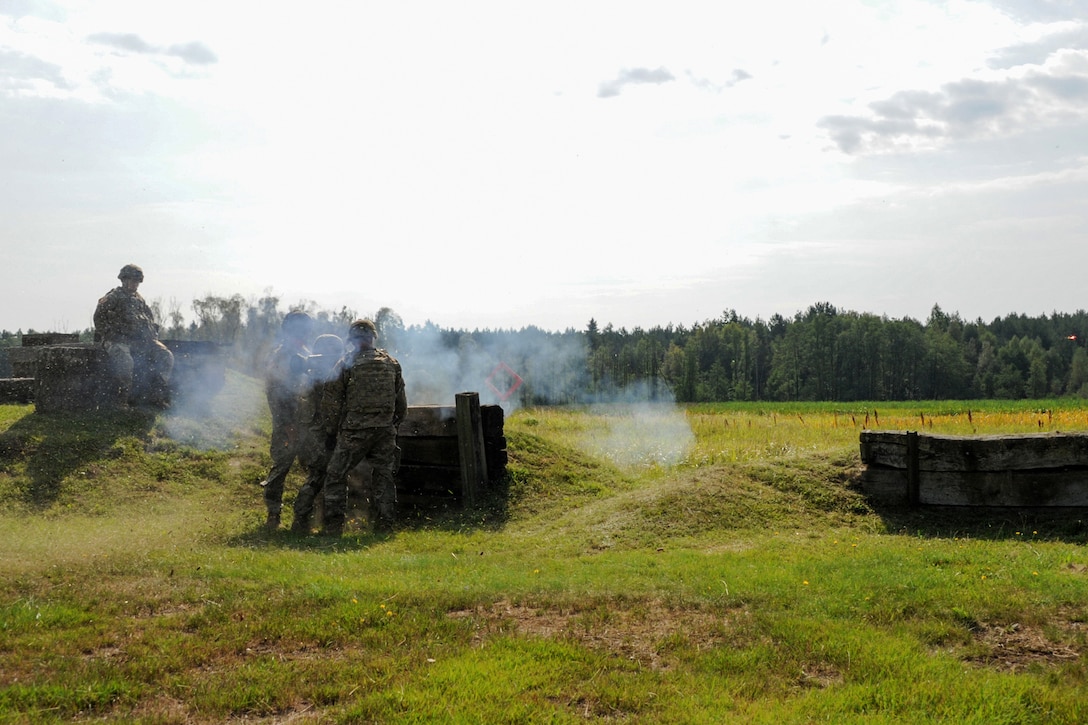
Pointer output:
x,y
716,563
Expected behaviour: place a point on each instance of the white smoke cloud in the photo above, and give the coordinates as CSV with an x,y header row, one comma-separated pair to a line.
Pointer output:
x,y
642,429
439,364
644,426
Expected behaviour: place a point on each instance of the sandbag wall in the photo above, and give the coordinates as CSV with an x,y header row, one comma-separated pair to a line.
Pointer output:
x,y
21,387
59,374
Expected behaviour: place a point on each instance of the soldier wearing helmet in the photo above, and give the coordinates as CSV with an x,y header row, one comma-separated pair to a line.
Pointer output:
x,y
125,327
285,383
362,408
324,367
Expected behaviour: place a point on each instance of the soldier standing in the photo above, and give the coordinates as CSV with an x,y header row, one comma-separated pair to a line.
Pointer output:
x,y
285,383
325,366
125,327
362,408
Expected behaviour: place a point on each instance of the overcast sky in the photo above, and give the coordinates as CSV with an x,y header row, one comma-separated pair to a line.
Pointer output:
x,y
504,164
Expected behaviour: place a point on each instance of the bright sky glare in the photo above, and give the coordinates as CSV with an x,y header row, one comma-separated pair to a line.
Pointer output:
x,y
498,165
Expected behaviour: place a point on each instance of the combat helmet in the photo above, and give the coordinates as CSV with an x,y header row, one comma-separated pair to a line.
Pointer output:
x,y
362,328
131,271
297,323
328,345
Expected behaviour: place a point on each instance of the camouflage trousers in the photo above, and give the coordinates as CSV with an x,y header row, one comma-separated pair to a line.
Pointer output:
x,y
284,449
156,359
376,446
315,458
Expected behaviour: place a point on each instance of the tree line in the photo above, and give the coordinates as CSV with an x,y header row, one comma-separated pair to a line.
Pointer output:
x,y
820,354
827,354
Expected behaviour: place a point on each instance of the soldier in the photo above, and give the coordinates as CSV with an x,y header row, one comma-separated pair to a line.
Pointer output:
x,y
362,408
325,365
285,383
125,327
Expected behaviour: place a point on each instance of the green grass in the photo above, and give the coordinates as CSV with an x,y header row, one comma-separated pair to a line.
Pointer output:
x,y
638,566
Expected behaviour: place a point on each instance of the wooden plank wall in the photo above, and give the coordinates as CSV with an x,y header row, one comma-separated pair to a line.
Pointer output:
x,y
433,452
1034,470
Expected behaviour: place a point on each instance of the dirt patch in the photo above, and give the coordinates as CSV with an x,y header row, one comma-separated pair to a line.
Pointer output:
x,y
1014,647
644,633
819,675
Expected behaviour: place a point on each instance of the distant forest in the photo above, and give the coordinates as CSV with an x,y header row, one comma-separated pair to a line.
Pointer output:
x,y
820,354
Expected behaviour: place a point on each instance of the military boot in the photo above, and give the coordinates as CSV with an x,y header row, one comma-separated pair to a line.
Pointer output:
x,y
300,526
273,521
333,526
159,394
304,510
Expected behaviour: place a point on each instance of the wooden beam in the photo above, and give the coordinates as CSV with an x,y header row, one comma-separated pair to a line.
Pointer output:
x,y
470,442
913,478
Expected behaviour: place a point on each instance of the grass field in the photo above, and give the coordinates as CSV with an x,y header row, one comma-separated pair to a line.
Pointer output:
x,y
639,565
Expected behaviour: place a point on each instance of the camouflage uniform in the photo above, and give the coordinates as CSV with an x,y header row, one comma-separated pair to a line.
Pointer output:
x,y
285,383
315,450
125,327
363,407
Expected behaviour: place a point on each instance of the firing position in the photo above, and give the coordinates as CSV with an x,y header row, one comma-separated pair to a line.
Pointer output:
x,y
362,409
125,327
285,384
314,453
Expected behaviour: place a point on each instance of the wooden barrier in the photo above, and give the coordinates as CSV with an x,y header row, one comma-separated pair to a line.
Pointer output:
x,y
451,453
432,468
1034,470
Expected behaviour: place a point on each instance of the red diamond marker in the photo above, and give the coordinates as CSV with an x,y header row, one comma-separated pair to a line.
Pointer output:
x,y
507,374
